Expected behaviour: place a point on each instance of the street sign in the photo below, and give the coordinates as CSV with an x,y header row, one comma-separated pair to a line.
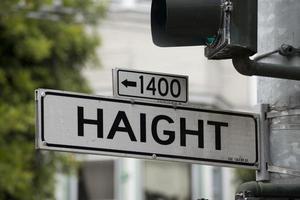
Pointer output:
x,y
119,127
149,85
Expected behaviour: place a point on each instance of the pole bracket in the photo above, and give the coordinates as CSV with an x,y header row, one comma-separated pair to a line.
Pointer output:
x,y
263,174
283,170
249,67
283,113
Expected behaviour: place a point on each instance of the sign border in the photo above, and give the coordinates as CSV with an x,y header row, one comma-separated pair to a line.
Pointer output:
x,y
117,93
40,130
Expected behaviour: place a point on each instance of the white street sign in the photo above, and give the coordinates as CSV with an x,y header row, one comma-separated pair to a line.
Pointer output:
x,y
119,127
149,85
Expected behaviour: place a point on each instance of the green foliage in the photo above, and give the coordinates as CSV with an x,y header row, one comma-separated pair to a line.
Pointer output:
x,y
41,46
244,175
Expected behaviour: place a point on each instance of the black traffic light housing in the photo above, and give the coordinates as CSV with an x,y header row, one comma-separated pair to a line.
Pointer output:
x,y
227,28
268,191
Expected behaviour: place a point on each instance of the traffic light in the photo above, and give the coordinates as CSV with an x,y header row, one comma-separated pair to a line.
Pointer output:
x,y
227,28
268,191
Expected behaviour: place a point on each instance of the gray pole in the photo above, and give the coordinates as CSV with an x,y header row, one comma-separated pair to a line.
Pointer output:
x,y
279,23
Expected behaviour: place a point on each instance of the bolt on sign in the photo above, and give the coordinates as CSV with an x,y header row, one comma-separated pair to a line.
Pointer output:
x,y
119,127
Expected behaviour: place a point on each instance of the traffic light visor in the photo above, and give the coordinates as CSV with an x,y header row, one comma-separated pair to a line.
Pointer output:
x,y
185,22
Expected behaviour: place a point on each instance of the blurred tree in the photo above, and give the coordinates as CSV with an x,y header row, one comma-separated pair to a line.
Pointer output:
x,y
43,44
244,175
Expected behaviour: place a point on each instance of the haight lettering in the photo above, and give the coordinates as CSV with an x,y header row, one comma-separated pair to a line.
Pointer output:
x,y
121,118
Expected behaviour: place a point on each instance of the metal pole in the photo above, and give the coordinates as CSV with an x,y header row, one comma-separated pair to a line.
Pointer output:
x,y
279,23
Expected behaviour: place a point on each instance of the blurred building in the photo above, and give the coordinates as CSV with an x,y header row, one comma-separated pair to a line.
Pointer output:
x,y
127,43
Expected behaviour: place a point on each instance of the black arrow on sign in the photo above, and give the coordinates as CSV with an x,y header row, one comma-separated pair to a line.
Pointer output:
x,y
127,83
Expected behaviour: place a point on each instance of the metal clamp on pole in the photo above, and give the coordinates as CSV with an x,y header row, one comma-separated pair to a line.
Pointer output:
x,y
283,170
288,120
